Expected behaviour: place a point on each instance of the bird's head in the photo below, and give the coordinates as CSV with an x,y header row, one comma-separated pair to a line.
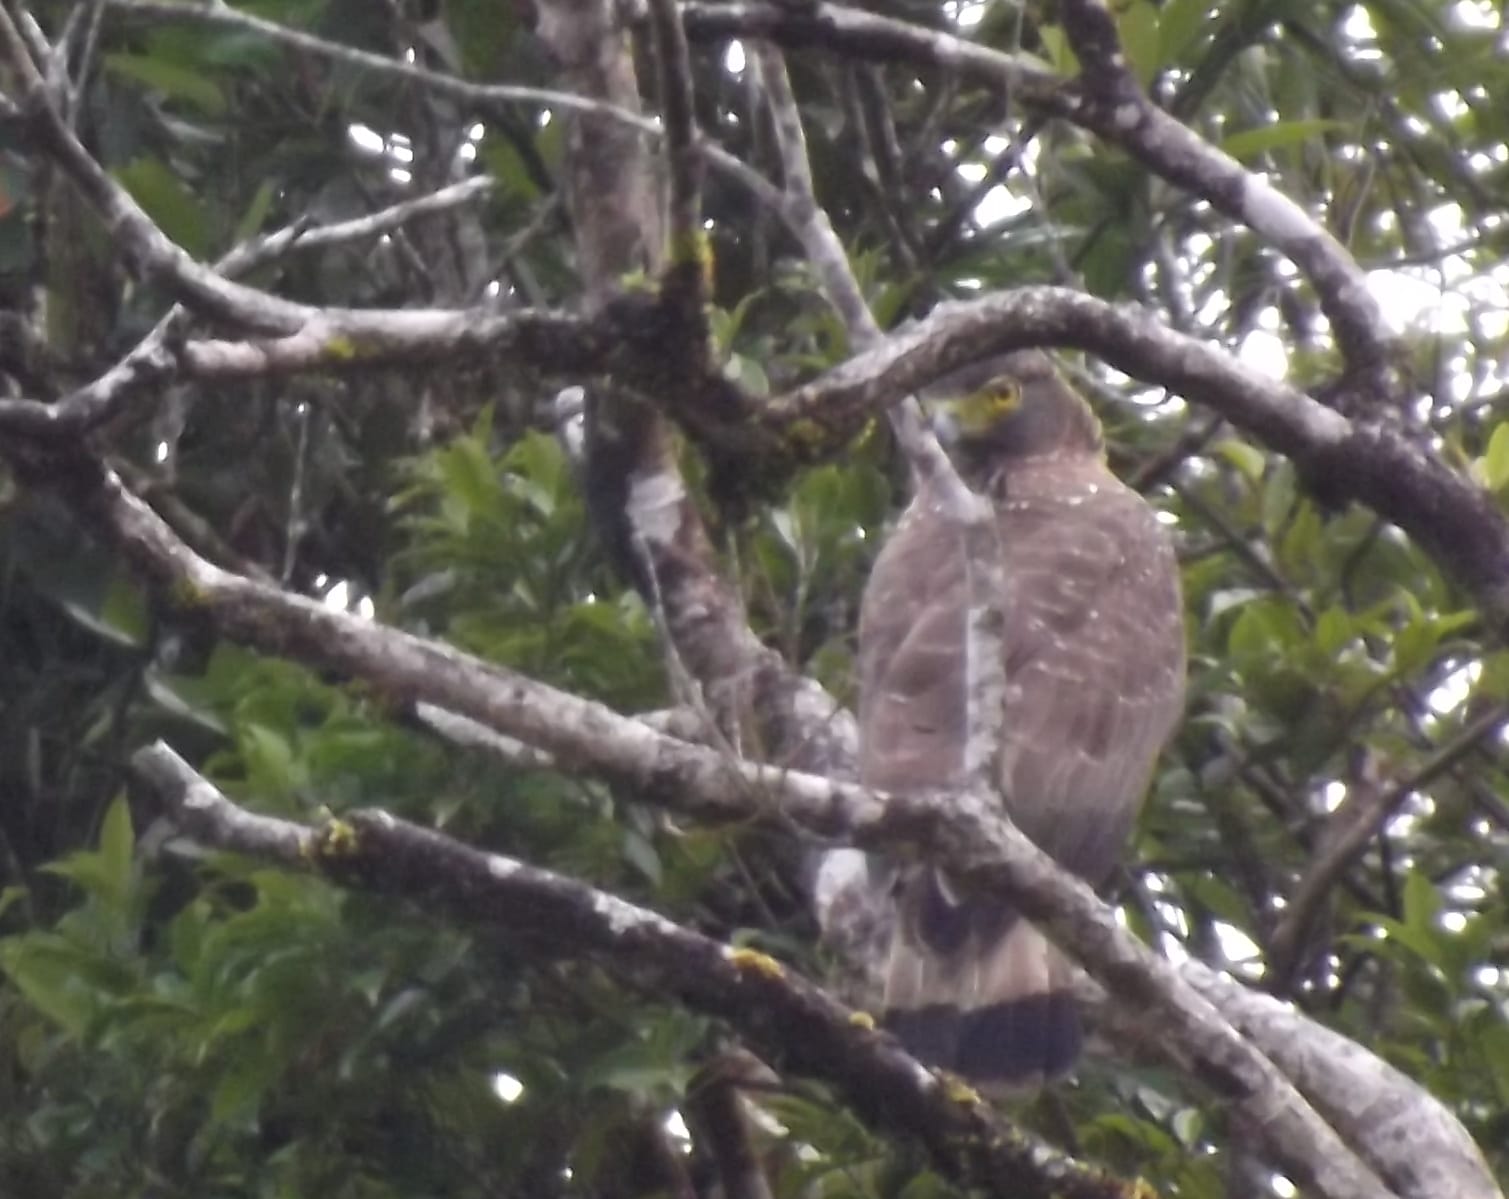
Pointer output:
x,y
1008,408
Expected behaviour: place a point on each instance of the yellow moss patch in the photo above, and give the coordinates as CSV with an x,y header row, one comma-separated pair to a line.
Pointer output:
x,y
341,348
752,961
960,1091
806,434
696,247
188,594
336,840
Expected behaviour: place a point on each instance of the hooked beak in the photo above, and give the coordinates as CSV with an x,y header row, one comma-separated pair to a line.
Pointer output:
x,y
944,417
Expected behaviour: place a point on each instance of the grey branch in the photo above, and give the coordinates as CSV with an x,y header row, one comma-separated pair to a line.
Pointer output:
x,y
1116,107
785,1017
155,359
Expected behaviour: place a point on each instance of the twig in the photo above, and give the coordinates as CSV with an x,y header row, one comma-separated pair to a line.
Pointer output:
x,y
302,237
684,162
473,97
1352,825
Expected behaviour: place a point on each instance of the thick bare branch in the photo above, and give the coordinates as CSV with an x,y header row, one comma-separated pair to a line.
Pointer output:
x,y
790,1021
634,486
1454,520
1403,1132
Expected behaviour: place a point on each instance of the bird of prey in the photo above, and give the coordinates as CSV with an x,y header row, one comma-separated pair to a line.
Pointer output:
x,y
1094,664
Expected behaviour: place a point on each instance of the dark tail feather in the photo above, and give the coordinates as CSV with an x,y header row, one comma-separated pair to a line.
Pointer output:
x,y
1018,1043
973,989
1038,1037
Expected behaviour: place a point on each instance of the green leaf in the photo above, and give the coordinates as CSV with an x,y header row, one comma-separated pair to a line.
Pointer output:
x,y
1246,457
1278,497
641,853
1422,901
238,1093
1179,22
46,970
118,845
256,211
1137,23
168,202
270,763
1493,466
1188,1125
125,611
1265,630
171,79
1251,142
516,183
1059,54
1333,631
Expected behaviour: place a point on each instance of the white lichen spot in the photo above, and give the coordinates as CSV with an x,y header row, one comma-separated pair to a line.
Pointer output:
x,y
1272,212
655,506
621,917
501,867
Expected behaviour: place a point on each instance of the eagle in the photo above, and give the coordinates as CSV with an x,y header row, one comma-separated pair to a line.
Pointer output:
x,y
1094,647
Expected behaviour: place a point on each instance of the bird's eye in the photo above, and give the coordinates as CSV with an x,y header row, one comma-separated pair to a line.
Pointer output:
x,y
1002,395
999,398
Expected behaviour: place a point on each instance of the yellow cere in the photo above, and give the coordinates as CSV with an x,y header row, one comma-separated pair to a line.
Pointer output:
x,y
986,408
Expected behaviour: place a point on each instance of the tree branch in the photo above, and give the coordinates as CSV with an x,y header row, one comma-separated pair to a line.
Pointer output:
x,y
683,162
965,833
472,97
156,359
1109,104
1116,107
716,1110
1455,521
788,1020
